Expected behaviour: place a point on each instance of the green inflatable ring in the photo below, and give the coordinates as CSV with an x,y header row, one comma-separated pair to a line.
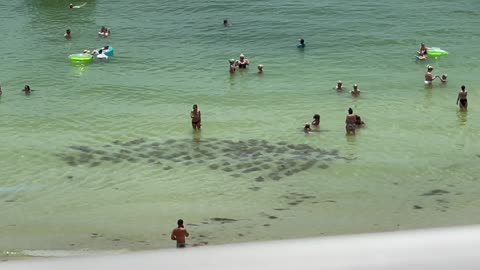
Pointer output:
x,y
80,57
436,52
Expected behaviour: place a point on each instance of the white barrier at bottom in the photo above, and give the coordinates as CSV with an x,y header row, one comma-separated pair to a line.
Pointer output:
x,y
451,248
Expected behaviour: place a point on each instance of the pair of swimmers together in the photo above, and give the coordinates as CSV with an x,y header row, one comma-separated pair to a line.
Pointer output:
x,y
352,122
429,78
355,91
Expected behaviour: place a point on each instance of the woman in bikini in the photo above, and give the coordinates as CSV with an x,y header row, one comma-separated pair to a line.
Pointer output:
x,y
196,117
462,97
350,122
242,62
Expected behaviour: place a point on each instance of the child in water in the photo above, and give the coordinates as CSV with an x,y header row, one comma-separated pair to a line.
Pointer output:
x,y
260,69
307,129
302,44
358,122
233,67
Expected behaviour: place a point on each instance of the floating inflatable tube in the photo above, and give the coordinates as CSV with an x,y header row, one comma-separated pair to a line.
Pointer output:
x,y
108,52
436,52
80,57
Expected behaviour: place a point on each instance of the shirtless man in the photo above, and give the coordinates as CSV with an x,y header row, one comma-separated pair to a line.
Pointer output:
x,y
429,76
462,97
350,122
72,6
355,91
196,117
179,234
339,86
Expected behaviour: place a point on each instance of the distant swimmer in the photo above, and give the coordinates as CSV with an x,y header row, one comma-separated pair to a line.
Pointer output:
x,y
196,116
422,52
179,234
301,45
1,92
104,31
339,86
316,121
233,67
68,34
242,62
462,98
429,76
350,122
307,129
260,69
225,23
359,122
27,90
72,6
355,91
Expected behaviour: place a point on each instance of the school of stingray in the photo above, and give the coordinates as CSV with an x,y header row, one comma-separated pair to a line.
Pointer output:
x,y
265,160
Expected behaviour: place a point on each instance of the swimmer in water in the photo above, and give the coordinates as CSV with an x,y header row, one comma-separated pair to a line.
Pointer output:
x,y
307,128
316,121
102,55
260,69
429,76
27,90
339,86
67,34
301,45
225,23
72,6
358,122
355,91
422,52
1,91
242,62
233,68
196,116
443,79
462,98
179,234
104,31
350,122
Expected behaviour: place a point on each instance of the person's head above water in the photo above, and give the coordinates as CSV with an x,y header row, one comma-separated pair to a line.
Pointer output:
x,y
316,116
71,5
68,31
231,61
225,22
260,67
350,111
106,47
180,223
429,68
339,84
100,51
302,41
355,86
242,56
444,76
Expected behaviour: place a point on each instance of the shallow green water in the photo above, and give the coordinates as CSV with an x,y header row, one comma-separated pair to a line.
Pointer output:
x,y
171,54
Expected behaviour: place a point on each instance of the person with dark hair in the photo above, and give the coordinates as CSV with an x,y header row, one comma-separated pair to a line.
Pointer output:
x,y
27,90
462,97
179,234
350,122
307,128
301,45
339,86
196,116
355,91
316,120
67,34
225,23
359,122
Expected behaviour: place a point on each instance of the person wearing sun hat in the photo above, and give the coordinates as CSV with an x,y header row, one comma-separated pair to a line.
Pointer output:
x,y
355,91
242,62
233,68
339,86
429,76
260,68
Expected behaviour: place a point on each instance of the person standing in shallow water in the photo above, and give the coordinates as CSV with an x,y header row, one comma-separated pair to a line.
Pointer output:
x,y
196,117
179,234
350,122
462,98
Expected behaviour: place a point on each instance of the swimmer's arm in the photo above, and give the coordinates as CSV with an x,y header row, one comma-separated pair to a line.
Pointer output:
x,y
186,233
173,237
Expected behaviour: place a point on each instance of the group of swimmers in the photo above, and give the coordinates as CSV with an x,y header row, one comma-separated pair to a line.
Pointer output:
x,y
241,63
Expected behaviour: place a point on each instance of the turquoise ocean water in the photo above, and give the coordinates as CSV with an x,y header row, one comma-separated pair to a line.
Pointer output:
x,y
251,174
